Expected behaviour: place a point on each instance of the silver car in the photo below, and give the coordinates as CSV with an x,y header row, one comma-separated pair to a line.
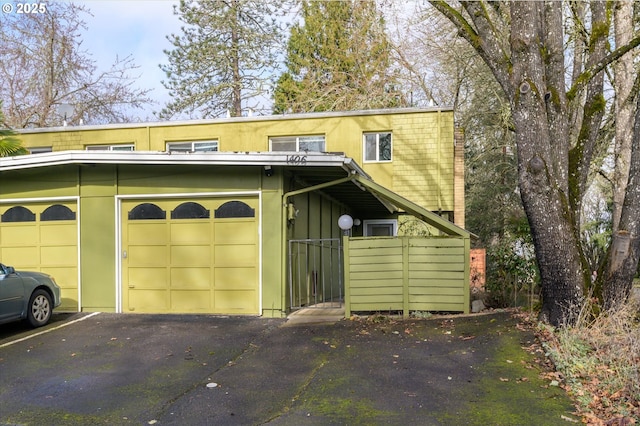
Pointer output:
x,y
27,295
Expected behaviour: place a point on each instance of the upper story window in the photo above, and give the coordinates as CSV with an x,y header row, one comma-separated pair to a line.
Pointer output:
x,y
40,149
193,146
313,143
119,147
377,147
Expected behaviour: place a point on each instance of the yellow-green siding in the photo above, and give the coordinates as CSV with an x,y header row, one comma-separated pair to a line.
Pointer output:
x,y
98,189
423,143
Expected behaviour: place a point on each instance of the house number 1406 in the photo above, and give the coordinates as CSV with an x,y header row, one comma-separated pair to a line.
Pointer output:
x,y
299,160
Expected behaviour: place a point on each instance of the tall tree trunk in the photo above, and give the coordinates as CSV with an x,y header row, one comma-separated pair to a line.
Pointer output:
x,y
622,258
542,140
624,253
623,83
236,96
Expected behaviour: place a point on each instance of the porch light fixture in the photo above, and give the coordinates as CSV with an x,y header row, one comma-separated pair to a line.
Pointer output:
x,y
345,222
268,171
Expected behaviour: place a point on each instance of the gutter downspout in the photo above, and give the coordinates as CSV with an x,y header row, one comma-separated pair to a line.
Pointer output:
x,y
285,202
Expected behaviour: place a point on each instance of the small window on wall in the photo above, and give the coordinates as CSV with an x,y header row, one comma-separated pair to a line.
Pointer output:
x,y
40,149
119,147
377,147
193,146
297,143
380,228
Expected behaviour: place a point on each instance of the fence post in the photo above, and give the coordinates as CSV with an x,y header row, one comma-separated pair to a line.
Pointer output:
x,y
467,274
405,277
346,278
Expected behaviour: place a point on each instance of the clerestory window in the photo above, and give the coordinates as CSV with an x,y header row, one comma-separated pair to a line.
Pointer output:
x,y
315,143
193,146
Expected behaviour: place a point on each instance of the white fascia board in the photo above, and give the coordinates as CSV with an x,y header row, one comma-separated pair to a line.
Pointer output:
x,y
310,159
274,117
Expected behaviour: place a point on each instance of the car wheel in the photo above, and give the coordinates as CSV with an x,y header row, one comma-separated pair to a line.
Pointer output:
x,y
39,308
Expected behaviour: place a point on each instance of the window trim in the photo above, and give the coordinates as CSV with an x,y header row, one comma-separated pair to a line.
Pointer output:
x,y
111,147
193,144
40,149
364,147
297,141
392,222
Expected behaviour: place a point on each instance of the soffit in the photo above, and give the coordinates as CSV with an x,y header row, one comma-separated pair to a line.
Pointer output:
x,y
361,202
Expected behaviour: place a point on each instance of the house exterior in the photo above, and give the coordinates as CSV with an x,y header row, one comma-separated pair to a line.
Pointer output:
x,y
197,216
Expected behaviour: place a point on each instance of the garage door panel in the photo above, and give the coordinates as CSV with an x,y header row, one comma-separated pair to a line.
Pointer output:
x,y
147,233
235,278
20,234
149,278
191,232
59,234
53,256
148,255
236,255
27,258
149,300
66,277
191,255
235,232
191,278
235,301
190,301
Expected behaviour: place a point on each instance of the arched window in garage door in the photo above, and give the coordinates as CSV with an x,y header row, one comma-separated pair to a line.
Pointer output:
x,y
57,212
147,211
190,210
18,214
234,209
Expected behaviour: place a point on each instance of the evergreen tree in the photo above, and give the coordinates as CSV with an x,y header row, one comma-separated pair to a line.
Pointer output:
x,y
338,58
224,56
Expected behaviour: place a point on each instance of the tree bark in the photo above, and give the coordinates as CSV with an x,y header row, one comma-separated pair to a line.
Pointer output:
x,y
624,253
623,83
542,142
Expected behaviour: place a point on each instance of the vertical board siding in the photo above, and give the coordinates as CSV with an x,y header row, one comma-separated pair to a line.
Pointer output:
x,y
407,274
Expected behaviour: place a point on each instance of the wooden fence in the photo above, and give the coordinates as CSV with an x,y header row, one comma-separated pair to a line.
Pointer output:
x,y
406,274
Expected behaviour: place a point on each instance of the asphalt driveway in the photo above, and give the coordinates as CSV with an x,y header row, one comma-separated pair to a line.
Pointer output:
x,y
205,370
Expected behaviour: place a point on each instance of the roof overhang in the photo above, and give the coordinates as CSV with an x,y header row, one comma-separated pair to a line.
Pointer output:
x,y
412,208
333,174
311,159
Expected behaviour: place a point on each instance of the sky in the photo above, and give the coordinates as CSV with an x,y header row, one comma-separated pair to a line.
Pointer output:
x,y
136,28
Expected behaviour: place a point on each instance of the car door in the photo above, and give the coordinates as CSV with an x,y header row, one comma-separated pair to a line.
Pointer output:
x,y
11,294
